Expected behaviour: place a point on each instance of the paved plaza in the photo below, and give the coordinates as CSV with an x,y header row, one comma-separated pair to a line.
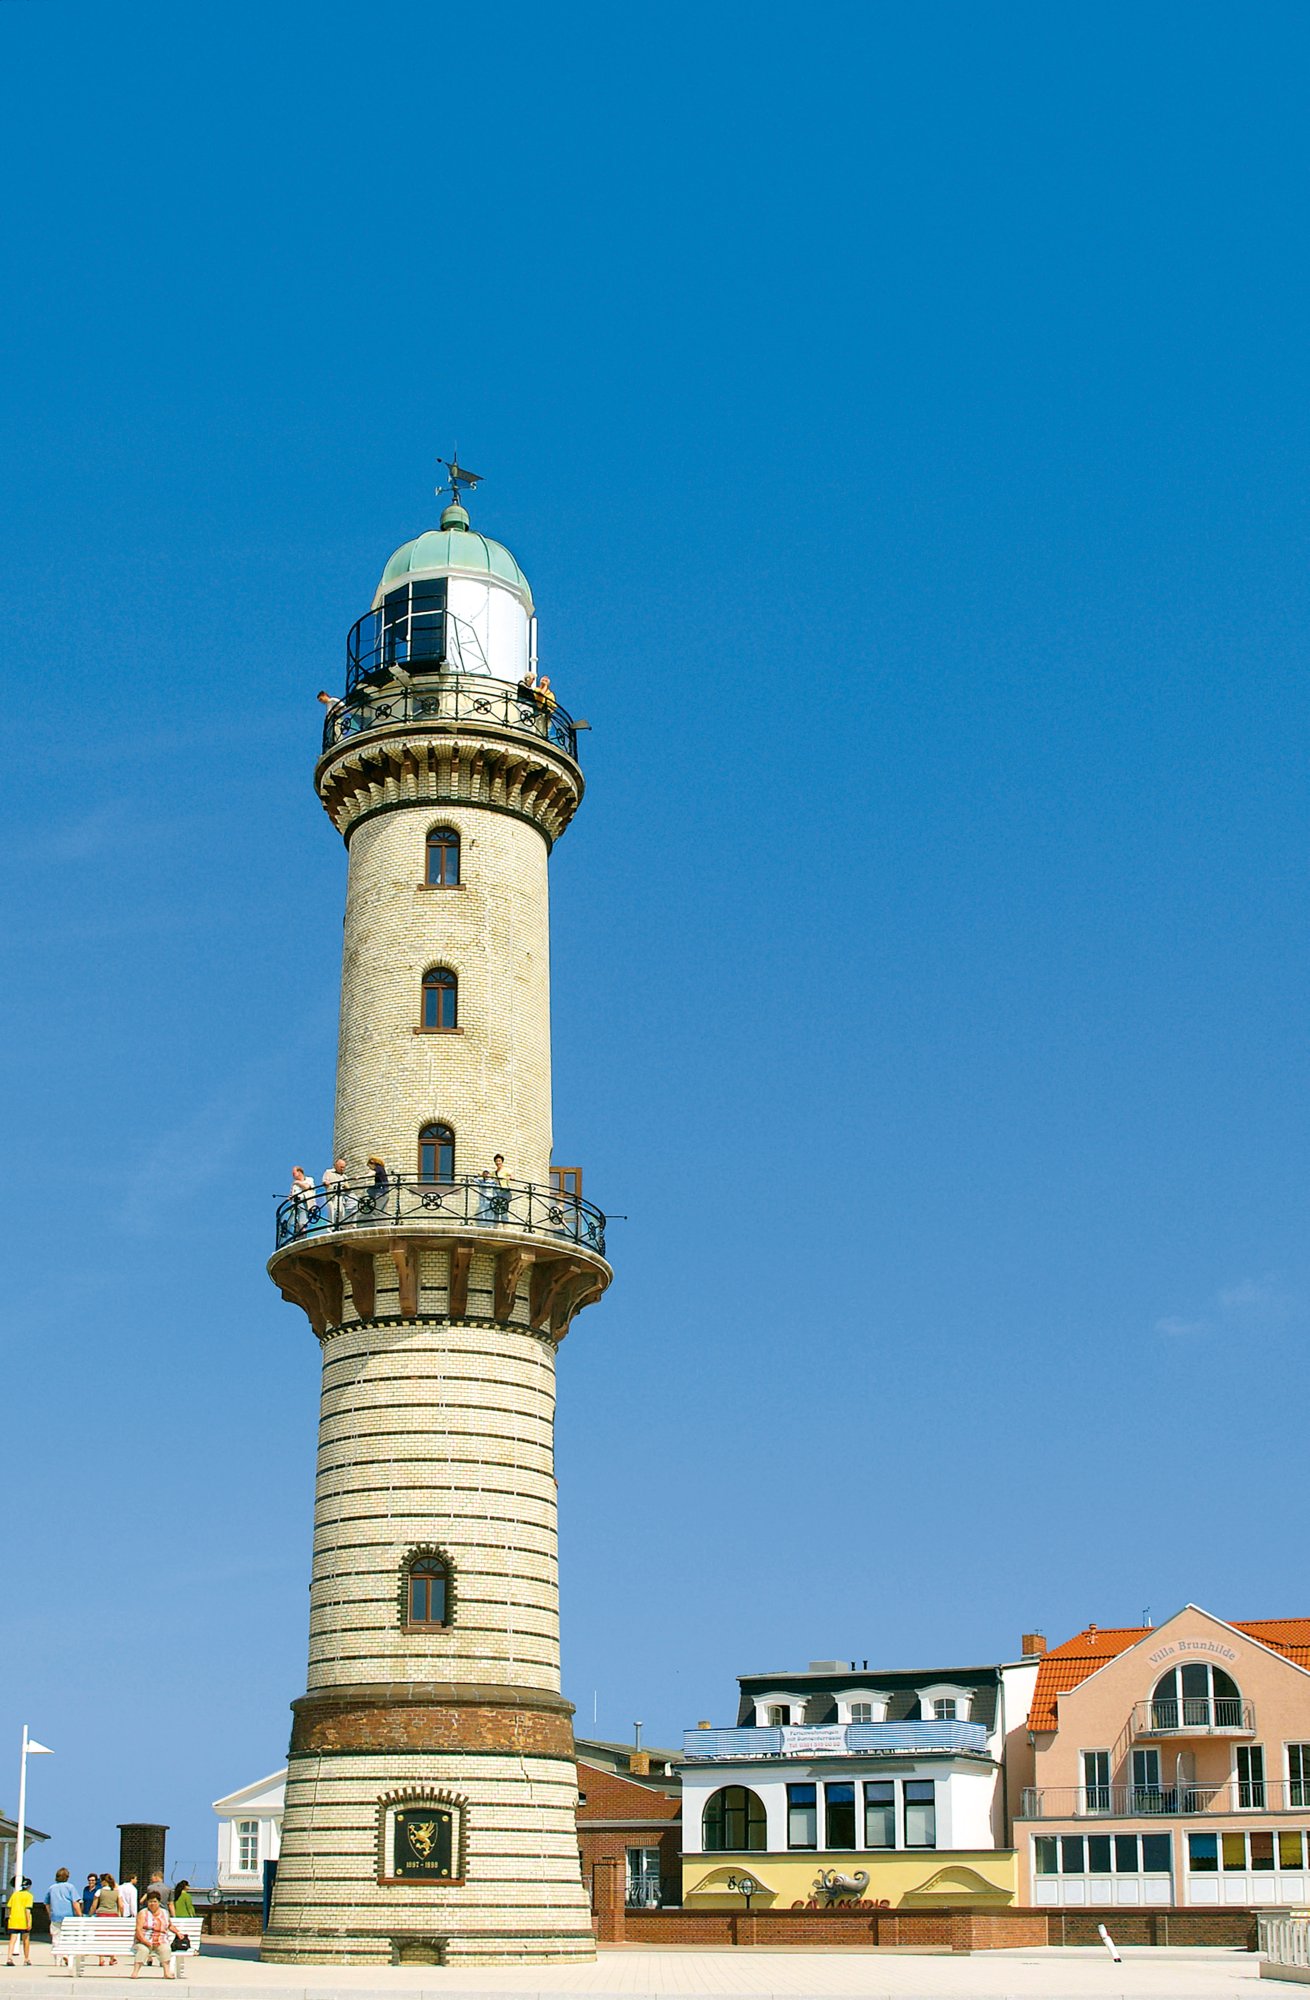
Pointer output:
x,y
232,1972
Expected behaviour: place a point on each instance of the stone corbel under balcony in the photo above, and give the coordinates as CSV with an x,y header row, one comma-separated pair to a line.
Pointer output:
x,y
317,1274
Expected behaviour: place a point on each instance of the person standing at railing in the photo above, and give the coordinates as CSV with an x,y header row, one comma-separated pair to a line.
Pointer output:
x,y
375,1202
545,701
340,1205
304,1201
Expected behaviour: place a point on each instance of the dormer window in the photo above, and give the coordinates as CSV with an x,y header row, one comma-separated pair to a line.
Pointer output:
x,y
943,1708
861,1711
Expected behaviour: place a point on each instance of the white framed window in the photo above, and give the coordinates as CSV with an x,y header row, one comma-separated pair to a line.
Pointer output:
x,y
943,1709
1251,1777
247,1831
861,1711
1096,1781
1298,1774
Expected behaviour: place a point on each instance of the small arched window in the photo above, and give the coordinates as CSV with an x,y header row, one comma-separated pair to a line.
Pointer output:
x,y
734,1822
426,1591
442,869
440,999
436,1153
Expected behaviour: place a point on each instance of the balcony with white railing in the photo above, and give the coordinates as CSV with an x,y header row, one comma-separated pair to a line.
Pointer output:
x,y
849,1739
1229,1795
1195,1715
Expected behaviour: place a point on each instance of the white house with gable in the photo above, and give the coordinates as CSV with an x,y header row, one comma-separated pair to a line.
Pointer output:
x,y
249,1834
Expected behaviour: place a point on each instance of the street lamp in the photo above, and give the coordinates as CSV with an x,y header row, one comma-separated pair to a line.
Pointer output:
x,y
30,1749
743,1885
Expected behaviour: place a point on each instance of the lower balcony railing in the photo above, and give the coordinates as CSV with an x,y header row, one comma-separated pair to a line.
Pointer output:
x,y
474,1202
849,1739
1164,1801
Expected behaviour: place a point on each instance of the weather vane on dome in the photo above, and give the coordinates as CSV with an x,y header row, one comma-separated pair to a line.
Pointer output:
x,y
458,477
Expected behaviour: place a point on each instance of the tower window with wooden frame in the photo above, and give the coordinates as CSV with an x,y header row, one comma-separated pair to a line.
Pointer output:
x,y
567,1181
440,1000
436,1153
441,864
426,1593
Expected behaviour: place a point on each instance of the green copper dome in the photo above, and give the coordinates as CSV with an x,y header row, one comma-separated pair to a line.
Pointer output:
x,y
454,547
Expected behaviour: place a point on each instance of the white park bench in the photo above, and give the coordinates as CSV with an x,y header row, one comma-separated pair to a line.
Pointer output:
x,y
114,1937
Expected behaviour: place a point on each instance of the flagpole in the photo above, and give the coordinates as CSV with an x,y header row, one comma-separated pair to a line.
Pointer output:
x,y
22,1812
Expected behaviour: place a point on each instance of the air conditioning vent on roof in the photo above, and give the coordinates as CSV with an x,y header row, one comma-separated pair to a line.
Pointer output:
x,y
831,1666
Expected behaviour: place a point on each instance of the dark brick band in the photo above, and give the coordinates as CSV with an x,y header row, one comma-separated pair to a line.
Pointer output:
x,y
434,1715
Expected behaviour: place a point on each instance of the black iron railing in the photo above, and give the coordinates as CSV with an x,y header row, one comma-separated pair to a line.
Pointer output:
x,y
470,1202
438,697
1195,1714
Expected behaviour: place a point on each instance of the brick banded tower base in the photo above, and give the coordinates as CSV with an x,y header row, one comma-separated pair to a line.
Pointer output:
x,y
432,1790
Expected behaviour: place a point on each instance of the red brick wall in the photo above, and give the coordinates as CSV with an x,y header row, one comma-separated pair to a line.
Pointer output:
x,y
611,1796
954,1930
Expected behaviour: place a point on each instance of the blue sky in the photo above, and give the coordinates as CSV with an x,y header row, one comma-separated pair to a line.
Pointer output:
x,y
901,413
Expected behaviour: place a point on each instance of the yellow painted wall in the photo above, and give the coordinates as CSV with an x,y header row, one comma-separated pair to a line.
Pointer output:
x,y
986,1877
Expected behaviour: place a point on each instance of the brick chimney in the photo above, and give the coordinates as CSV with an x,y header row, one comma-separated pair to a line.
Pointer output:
x,y
1034,1645
639,1763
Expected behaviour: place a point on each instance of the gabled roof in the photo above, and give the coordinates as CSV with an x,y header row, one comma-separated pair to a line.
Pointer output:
x,y
274,1781
1088,1651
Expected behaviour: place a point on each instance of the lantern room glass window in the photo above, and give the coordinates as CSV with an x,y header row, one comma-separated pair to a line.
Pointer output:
x,y
414,625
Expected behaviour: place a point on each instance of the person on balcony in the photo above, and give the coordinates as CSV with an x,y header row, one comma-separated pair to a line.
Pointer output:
x,y
304,1201
545,701
375,1201
340,1205
493,1192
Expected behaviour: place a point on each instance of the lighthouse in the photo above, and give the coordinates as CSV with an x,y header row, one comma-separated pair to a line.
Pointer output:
x,y
431,1790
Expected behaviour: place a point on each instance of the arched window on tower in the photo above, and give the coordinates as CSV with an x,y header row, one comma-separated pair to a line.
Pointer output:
x,y
734,1822
440,1000
436,1153
425,1590
1197,1696
442,868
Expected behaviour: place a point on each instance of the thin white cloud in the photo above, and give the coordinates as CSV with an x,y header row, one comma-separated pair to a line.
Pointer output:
x,y
1250,1305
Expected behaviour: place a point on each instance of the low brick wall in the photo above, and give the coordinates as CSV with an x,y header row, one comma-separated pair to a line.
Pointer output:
x,y
944,1930
947,1930
234,1920
1231,1927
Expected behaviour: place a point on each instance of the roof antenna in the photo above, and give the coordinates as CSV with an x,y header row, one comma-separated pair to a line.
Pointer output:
x,y
458,477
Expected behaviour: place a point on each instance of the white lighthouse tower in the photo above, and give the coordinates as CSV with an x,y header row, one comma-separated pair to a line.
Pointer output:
x,y
431,1795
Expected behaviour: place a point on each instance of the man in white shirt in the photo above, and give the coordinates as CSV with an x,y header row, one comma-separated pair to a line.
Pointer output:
x,y
127,1890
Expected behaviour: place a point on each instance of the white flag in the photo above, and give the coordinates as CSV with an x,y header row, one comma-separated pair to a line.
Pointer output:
x,y
38,1749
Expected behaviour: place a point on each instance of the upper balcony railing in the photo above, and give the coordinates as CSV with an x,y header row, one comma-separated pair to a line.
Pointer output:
x,y
434,669
472,1202
851,1739
1226,1795
1195,1715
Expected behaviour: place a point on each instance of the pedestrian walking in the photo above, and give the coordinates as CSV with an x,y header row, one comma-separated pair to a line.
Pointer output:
x,y
156,1886
61,1899
88,1895
182,1905
127,1895
151,1938
18,1915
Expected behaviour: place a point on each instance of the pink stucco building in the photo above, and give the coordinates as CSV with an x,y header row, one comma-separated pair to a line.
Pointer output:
x,y
1169,1766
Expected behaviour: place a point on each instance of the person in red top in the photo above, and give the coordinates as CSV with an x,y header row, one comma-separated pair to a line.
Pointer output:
x,y
154,1927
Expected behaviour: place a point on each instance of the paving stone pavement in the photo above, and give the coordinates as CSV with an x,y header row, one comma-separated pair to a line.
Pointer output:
x,y
228,1972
